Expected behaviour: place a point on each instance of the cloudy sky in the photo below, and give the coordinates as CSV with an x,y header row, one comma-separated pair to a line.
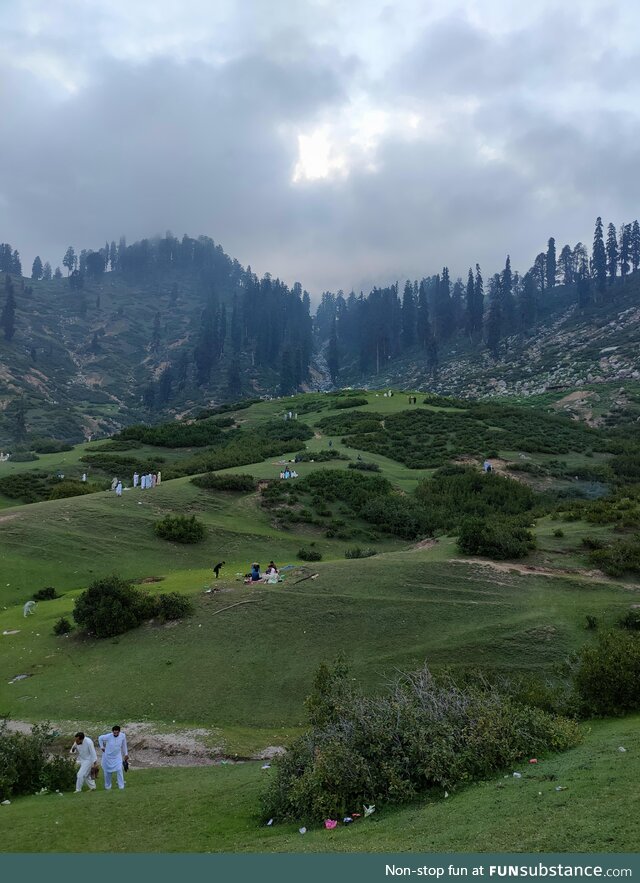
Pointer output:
x,y
339,143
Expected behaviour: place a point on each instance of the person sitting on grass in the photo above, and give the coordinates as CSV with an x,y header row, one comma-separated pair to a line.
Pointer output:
x,y
255,573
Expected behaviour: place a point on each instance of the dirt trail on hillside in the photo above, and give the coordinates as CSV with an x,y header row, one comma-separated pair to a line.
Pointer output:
x,y
537,570
182,748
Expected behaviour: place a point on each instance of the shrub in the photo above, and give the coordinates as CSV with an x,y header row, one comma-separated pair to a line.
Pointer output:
x,y
558,532
175,434
213,481
607,679
49,446
357,552
46,594
115,444
592,622
422,734
25,764
631,620
350,403
111,606
364,466
180,529
309,555
172,605
24,457
62,626
495,539
592,543
618,559
72,488
321,456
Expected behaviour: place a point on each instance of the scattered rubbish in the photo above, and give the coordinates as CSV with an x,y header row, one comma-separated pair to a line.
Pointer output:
x,y
356,815
269,823
534,760
302,830
517,775
330,824
347,820
539,793
622,749
446,794
369,810
11,631
265,766
224,763
6,803
19,678
561,787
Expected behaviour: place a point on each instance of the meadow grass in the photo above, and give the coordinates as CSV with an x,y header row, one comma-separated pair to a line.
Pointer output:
x,y
214,809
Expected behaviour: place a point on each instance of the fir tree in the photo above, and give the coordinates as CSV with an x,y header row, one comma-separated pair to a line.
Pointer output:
x,y
599,257
182,370
550,263
69,260
423,322
494,319
36,269
16,266
8,315
287,385
46,271
165,386
234,380
528,302
540,271
408,316
469,305
625,249
507,304
612,253
333,357
20,421
565,263
635,246
478,301
58,273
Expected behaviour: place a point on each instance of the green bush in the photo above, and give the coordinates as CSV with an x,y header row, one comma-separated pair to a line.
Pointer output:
x,y
49,446
309,554
363,466
111,606
26,766
558,532
213,481
495,539
620,558
62,626
172,605
321,456
357,552
115,444
180,529
175,434
630,620
607,678
423,734
350,403
46,594
24,457
70,487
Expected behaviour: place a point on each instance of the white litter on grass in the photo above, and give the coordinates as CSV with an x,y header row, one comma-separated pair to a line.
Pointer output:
x,y
517,775
11,631
561,787
446,794
269,823
369,810
302,830
6,803
622,749
265,766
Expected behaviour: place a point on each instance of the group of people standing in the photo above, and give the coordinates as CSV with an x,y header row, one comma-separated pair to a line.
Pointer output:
x,y
149,480
289,473
115,759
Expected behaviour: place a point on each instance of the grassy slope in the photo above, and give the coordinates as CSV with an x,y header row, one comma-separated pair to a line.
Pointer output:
x,y
214,810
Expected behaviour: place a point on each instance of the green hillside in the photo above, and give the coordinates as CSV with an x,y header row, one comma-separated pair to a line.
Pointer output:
x,y
237,671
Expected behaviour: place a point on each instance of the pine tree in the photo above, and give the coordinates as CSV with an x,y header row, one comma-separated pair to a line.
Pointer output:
x,y
8,315
58,273
507,304
165,386
149,397
599,257
234,379
287,385
565,263
550,263
94,346
423,323
20,421
154,343
113,256
236,326
540,271
469,305
69,260
494,319
625,249
46,271
36,269
408,316
16,266
584,289
333,356
478,302
635,246
612,253
528,302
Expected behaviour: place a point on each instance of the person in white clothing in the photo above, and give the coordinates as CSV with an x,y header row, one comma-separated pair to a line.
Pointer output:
x,y
136,479
114,755
85,753
119,489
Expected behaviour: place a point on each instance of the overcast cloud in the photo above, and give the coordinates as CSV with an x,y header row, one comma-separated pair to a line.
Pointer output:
x,y
339,144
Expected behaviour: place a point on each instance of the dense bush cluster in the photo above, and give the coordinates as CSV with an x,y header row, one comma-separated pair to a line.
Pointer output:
x,y
113,464
48,593
180,529
495,538
33,487
357,552
114,444
619,558
607,678
112,606
364,466
217,482
355,402
309,554
26,764
225,409
323,456
423,734
49,446
175,434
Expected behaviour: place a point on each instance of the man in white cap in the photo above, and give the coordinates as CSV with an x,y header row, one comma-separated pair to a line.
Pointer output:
x,y
85,753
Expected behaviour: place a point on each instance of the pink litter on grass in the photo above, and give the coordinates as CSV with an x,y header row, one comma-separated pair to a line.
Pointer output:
x,y
534,760
330,824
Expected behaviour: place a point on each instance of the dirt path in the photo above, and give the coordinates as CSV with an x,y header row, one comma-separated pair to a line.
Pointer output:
x,y
537,570
182,748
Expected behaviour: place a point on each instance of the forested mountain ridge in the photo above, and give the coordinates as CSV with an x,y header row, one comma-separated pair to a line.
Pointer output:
x,y
136,332
164,327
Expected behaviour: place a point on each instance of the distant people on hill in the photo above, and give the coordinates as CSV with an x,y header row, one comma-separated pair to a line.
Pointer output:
x,y
136,479
271,568
159,478
114,484
486,466
119,489
218,567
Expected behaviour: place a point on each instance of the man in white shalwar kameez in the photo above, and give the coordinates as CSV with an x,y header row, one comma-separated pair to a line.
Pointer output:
x,y
85,753
114,752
